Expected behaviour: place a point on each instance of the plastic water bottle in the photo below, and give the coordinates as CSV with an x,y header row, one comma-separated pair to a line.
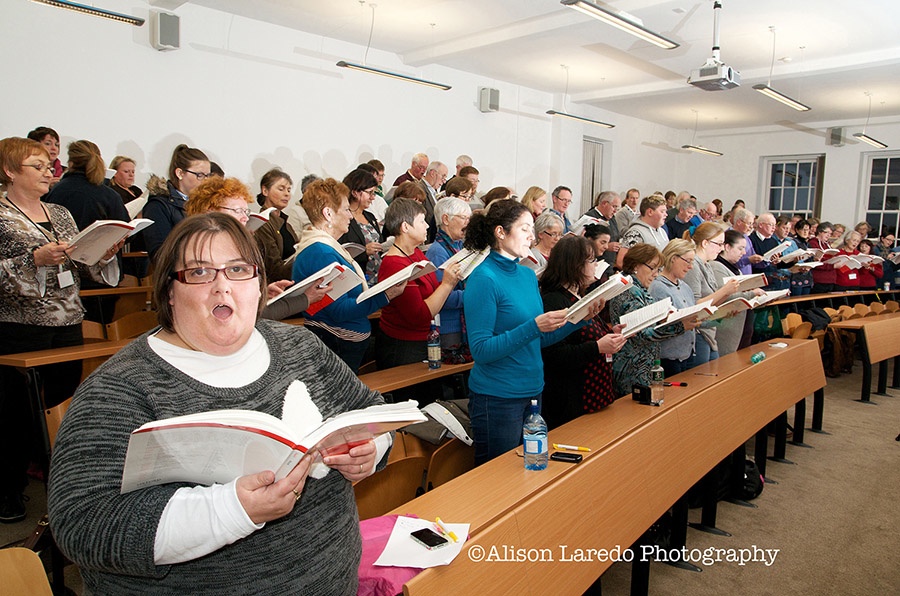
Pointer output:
x,y
534,436
657,378
758,357
434,346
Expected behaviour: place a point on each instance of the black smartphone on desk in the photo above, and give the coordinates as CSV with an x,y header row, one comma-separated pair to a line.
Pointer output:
x,y
572,458
429,538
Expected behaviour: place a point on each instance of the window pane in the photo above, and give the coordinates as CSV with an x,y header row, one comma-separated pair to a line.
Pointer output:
x,y
874,220
804,174
774,195
879,171
894,171
876,198
890,221
790,174
892,200
787,199
776,178
802,199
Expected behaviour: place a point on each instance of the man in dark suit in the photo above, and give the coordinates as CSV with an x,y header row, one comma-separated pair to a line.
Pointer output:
x,y
431,182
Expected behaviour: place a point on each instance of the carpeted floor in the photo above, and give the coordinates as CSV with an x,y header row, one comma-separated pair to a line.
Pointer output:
x,y
834,516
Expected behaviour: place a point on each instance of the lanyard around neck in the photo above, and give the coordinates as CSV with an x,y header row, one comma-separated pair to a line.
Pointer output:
x,y
41,229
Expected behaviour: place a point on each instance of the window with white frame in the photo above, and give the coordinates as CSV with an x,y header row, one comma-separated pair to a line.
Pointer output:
x,y
793,185
882,198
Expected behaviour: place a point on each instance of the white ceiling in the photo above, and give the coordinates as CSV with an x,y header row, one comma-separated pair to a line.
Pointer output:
x,y
850,47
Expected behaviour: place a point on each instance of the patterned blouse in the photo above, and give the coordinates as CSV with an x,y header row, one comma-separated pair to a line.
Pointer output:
x,y
633,362
32,295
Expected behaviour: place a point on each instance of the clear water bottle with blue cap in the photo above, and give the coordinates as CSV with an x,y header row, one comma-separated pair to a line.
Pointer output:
x,y
534,439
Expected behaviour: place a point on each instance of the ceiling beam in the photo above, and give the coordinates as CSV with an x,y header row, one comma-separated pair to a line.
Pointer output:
x,y
540,25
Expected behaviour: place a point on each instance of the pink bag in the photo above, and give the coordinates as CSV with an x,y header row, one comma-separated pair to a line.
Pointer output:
x,y
380,581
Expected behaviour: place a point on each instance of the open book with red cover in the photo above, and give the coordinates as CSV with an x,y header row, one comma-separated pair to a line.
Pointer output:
x,y
342,280
91,243
221,445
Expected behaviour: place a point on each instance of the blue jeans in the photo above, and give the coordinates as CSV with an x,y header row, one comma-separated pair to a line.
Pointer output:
x,y
703,353
497,423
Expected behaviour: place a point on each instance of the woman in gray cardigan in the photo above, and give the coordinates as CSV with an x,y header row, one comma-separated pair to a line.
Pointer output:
x,y
709,237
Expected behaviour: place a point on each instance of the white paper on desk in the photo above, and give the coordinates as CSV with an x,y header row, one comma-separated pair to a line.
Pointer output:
x,y
402,551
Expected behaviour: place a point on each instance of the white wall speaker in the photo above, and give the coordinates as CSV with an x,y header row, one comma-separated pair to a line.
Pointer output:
x,y
165,31
488,99
834,137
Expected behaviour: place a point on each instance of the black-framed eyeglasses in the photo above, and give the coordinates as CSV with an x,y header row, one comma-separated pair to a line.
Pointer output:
x,y
40,167
237,210
721,244
207,275
691,263
555,235
658,269
199,175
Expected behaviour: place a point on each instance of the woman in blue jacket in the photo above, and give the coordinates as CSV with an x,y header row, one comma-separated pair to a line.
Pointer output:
x,y
507,327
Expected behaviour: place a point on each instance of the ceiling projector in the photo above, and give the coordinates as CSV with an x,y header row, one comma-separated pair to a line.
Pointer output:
x,y
715,75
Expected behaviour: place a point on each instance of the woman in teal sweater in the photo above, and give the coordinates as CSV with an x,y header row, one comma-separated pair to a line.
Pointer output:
x,y
507,327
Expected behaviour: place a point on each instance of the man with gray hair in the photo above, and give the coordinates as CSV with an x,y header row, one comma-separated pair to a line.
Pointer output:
x,y
604,209
431,182
764,240
680,223
629,210
462,161
742,221
562,198
417,168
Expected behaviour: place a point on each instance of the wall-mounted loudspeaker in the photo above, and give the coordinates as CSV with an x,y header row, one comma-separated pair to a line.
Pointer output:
x,y
488,99
835,136
165,31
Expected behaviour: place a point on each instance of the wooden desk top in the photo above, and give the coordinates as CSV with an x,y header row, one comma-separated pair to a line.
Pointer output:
x,y
43,357
409,374
856,324
117,291
643,459
811,297
880,334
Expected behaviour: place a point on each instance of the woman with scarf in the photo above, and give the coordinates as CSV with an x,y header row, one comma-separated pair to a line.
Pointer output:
x,y
343,325
452,217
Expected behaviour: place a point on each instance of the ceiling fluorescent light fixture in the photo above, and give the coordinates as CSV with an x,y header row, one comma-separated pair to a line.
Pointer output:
x,y
91,10
581,118
862,136
621,22
777,95
699,148
393,75
386,73
867,139
702,150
